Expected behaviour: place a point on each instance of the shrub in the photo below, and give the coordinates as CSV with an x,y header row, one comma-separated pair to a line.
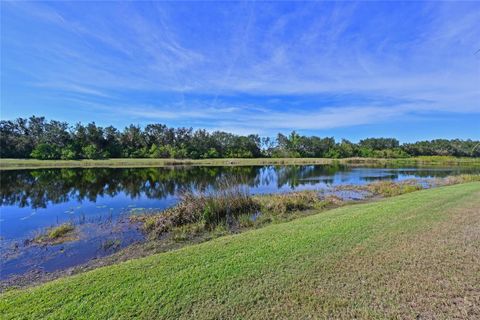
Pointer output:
x,y
45,151
69,154
91,152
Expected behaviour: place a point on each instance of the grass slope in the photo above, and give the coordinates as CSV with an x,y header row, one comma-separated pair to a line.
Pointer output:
x,y
403,257
11,164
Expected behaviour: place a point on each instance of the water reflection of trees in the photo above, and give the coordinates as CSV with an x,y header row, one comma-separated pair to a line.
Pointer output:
x,y
37,188
435,172
294,176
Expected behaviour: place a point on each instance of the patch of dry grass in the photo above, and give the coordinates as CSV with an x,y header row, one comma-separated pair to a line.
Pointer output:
x,y
390,188
451,180
288,202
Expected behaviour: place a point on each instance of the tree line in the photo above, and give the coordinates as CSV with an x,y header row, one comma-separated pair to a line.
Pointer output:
x,y
38,138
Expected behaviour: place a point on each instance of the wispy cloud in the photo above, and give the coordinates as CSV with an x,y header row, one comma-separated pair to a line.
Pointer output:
x,y
200,59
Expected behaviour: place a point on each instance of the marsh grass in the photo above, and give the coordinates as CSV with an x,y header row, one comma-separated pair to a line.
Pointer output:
x,y
230,209
202,210
288,202
390,188
450,180
56,235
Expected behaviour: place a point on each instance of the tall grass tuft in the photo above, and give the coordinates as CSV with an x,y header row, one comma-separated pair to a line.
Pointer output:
x,y
229,201
58,234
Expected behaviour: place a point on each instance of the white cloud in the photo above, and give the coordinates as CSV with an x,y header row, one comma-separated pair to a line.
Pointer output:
x,y
426,55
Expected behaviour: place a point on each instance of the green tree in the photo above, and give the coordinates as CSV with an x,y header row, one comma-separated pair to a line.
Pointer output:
x,y
45,151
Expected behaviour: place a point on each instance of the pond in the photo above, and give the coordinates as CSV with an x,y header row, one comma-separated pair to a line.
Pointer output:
x,y
98,202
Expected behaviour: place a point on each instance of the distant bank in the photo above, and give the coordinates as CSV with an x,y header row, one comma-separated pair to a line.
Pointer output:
x,y
10,164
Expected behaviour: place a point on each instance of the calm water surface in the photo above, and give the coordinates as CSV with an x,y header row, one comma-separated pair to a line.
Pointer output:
x,y
98,201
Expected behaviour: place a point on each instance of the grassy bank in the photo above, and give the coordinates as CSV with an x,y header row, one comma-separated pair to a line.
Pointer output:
x,y
231,209
415,255
10,164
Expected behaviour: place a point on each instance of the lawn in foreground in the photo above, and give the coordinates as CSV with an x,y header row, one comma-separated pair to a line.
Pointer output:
x,y
407,256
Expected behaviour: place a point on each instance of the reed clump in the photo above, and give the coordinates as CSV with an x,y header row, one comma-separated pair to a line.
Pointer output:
x,y
208,209
55,235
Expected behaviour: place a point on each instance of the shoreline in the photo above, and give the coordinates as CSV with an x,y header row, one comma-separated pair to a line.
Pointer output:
x,y
398,223
167,242
16,164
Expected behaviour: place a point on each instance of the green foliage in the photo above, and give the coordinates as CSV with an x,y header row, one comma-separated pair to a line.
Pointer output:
x,y
45,151
333,153
165,151
39,139
60,231
69,153
211,153
91,152
379,143
389,188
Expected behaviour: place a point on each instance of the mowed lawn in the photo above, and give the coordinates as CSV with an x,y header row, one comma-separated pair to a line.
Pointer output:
x,y
416,255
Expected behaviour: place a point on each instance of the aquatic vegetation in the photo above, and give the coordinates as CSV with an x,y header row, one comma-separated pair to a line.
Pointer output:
x,y
462,178
233,207
287,202
230,208
55,235
390,188
111,244
210,209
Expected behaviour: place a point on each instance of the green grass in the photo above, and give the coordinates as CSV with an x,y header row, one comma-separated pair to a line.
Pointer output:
x,y
415,255
9,164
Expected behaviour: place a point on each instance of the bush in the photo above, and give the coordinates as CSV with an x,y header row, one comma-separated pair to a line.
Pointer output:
x,y
45,151
91,152
69,153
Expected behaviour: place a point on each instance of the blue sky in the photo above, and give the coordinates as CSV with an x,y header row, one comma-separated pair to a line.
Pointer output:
x,y
345,69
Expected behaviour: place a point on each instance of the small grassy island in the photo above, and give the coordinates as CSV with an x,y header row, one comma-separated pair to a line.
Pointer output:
x,y
56,235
